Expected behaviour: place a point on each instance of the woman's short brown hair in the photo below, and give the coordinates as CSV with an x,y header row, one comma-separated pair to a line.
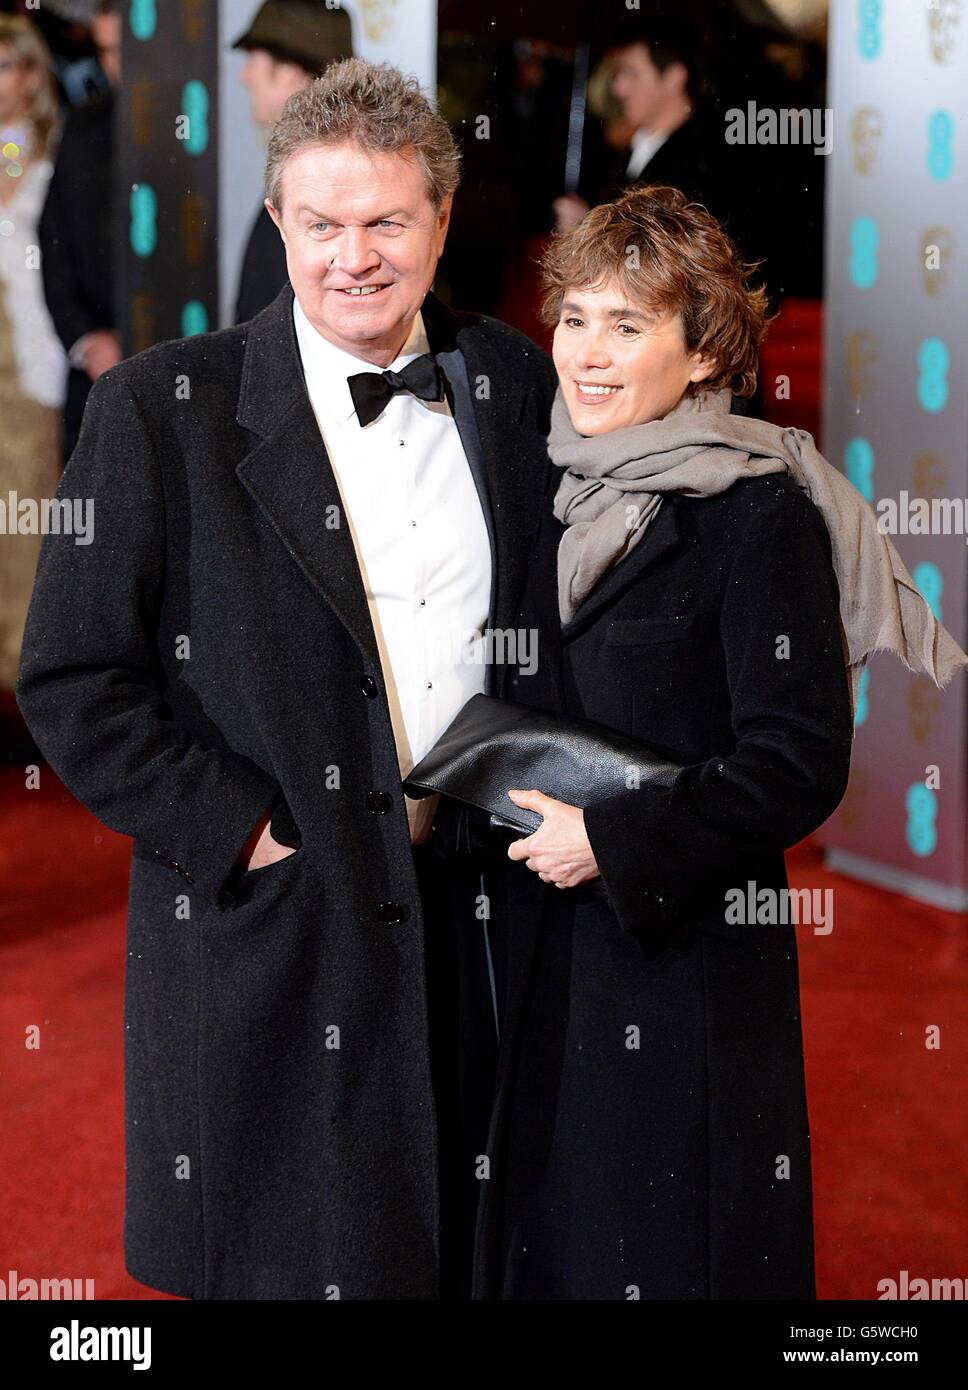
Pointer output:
x,y
669,255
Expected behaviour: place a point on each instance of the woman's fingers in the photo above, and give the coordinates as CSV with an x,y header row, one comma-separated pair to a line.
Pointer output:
x,y
531,800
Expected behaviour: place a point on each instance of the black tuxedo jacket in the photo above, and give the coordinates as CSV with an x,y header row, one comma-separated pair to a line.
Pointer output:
x,y
208,656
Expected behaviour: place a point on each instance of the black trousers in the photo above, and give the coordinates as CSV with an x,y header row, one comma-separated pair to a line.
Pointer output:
x,y
463,1046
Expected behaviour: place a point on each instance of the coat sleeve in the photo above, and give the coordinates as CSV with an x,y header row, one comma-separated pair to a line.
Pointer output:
x,y
91,680
791,720
70,313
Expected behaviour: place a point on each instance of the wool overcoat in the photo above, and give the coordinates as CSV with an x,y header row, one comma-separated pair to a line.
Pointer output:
x,y
650,1134
211,655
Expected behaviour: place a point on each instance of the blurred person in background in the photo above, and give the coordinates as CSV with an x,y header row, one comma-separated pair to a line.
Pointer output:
x,y
289,43
76,231
33,368
656,82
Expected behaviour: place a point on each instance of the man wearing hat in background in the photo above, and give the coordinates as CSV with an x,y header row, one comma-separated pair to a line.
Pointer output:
x,y
290,42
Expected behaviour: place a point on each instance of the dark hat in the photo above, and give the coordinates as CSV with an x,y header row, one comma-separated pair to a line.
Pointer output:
x,y
306,32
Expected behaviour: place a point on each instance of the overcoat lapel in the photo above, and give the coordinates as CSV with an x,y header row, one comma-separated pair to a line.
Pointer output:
x,y
289,473
489,405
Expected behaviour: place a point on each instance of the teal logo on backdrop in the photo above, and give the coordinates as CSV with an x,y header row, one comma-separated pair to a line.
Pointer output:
x,y
863,699
941,156
922,809
194,318
194,103
934,360
859,466
928,578
869,28
144,219
864,240
144,19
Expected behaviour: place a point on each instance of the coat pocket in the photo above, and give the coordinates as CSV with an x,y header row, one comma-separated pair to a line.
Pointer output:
x,y
647,632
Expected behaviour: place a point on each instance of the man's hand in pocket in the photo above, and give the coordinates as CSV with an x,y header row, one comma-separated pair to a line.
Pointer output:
x,y
261,849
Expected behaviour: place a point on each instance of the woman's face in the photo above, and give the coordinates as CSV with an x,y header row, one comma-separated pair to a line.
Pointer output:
x,y
620,364
17,86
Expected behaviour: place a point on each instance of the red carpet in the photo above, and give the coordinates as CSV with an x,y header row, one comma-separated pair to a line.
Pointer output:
x,y
886,1113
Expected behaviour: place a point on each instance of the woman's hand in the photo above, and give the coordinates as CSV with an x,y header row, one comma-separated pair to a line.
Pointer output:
x,y
558,851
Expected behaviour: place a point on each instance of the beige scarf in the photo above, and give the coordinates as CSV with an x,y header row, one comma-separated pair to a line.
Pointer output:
x,y
699,449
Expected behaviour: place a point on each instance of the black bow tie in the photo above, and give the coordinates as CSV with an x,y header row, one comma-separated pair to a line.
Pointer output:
x,y
372,390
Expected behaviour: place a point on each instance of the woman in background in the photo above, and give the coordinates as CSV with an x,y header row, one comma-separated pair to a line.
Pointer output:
x,y
33,365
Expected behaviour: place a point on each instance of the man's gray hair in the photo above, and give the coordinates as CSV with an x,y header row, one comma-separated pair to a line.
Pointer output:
x,y
374,106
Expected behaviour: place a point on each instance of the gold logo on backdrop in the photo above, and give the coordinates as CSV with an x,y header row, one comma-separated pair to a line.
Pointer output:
x,y
860,354
866,130
378,17
937,248
944,17
144,322
929,477
191,221
924,706
851,810
194,17
143,105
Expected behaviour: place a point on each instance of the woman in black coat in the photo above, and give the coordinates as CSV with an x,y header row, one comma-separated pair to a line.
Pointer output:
x,y
652,1136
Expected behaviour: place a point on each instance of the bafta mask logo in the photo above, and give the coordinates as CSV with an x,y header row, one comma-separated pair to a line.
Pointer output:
x,y
193,17
866,130
860,355
192,213
143,105
851,811
924,707
937,248
929,477
144,321
378,17
944,16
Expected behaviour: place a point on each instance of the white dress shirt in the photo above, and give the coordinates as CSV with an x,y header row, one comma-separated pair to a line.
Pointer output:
x,y
419,532
645,146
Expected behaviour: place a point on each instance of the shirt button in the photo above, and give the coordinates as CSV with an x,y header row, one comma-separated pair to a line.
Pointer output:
x,y
392,913
430,685
423,603
378,802
368,686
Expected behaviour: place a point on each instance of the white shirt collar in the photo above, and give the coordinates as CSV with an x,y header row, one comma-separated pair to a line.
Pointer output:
x,y
327,366
644,146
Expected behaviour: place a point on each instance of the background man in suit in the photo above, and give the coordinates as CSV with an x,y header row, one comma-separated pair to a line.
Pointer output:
x,y
657,84
289,43
303,527
76,229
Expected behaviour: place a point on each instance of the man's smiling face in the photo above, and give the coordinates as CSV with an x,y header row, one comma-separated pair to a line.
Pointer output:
x,y
362,243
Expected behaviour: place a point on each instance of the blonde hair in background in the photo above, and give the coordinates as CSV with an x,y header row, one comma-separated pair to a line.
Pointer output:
x,y
25,44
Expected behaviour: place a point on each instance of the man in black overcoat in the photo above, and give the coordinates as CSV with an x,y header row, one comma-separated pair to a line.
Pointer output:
x,y
235,672
76,229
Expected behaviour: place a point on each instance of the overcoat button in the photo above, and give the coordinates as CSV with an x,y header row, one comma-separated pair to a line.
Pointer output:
x,y
378,802
368,686
392,913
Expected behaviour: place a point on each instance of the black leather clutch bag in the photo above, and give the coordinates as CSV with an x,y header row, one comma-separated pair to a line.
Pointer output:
x,y
493,745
